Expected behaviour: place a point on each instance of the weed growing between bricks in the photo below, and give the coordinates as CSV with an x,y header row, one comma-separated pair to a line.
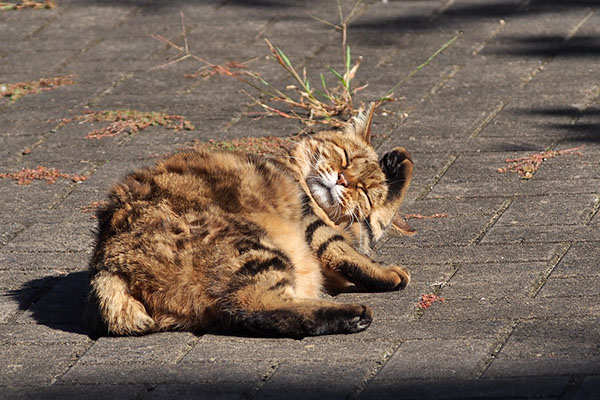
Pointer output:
x,y
15,91
302,101
129,121
46,4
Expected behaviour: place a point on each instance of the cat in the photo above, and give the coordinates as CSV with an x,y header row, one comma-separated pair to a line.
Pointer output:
x,y
244,244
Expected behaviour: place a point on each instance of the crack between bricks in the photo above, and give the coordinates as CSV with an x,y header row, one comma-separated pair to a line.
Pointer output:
x,y
539,283
495,350
73,361
480,46
436,179
73,186
370,375
495,217
572,387
88,46
263,380
486,121
190,346
593,212
442,9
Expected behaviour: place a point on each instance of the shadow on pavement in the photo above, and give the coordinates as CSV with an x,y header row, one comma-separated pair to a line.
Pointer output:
x,y
552,46
56,302
586,125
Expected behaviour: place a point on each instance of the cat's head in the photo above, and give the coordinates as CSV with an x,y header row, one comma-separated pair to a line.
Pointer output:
x,y
342,171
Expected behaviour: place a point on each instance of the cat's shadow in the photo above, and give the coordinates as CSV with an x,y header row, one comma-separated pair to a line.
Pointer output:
x,y
59,302
56,302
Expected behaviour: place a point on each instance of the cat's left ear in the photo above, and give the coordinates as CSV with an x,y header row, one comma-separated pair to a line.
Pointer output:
x,y
360,125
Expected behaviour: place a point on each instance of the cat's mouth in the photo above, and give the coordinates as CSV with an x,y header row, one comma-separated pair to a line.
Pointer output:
x,y
325,193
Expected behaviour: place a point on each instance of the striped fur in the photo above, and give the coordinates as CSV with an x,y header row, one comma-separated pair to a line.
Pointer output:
x,y
205,241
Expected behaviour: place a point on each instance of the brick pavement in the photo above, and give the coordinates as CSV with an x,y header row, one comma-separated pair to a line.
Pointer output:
x,y
517,261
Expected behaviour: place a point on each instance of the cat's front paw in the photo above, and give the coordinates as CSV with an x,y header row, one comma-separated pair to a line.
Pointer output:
x,y
402,276
397,166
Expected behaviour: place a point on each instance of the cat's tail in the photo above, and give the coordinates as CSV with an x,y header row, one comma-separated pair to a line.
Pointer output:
x,y
301,318
112,310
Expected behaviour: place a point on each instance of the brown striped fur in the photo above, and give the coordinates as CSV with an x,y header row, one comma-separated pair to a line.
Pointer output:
x,y
226,241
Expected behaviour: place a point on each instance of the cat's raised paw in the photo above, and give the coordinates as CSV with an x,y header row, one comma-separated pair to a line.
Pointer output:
x,y
396,163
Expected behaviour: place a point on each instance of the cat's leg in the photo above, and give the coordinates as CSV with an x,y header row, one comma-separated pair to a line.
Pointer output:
x,y
265,295
298,318
112,310
343,264
398,168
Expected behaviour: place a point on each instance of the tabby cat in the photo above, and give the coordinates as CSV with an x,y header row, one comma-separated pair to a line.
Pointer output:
x,y
205,241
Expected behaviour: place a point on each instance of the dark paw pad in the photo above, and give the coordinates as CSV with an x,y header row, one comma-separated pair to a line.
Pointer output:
x,y
393,166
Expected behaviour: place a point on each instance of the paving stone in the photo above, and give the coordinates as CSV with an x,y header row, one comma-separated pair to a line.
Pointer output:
x,y
405,254
63,303
479,281
157,373
580,260
8,230
549,210
30,334
507,308
355,347
49,237
159,347
513,187
314,380
434,359
231,390
528,387
547,234
588,389
34,365
571,287
95,392
44,264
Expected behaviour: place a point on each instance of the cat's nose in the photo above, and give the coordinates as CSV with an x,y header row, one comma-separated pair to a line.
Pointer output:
x,y
342,179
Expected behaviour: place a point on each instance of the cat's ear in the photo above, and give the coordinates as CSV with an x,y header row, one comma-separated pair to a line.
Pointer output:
x,y
360,125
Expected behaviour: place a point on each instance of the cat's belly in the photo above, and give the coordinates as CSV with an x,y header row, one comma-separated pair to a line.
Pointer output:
x,y
287,236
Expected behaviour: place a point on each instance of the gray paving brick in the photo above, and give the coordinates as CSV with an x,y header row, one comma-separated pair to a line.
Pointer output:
x,y
34,365
159,347
230,390
158,373
514,187
355,347
99,392
31,334
404,254
549,210
588,389
529,387
580,260
507,308
50,237
434,359
314,380
479,281
572,287
547,234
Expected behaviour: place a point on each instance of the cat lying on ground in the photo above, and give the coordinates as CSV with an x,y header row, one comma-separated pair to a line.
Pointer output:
x,y
205,241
